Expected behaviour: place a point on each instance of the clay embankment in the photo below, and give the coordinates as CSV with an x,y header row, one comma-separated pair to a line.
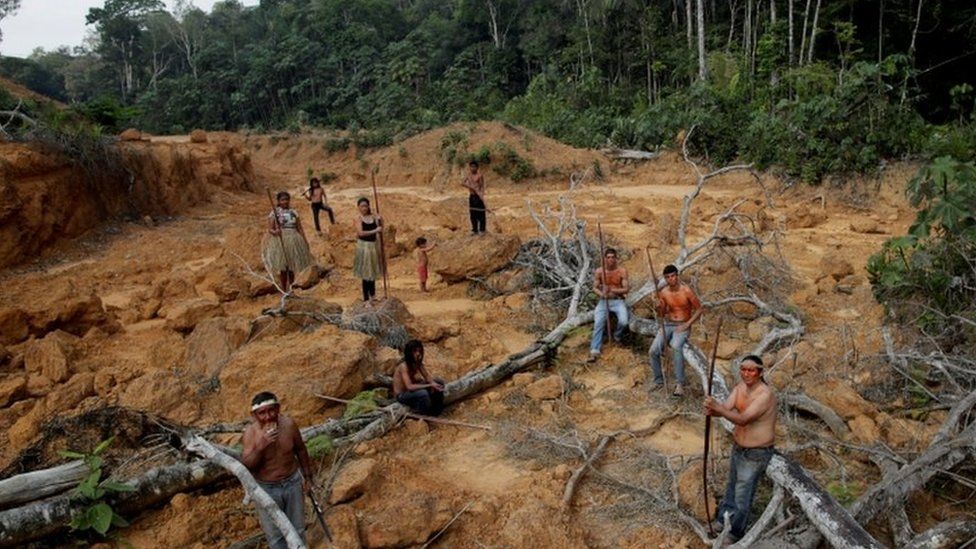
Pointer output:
x,y
46,197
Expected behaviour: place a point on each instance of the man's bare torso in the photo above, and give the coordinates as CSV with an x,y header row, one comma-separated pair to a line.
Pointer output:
x,y
760,432
681,303
278,460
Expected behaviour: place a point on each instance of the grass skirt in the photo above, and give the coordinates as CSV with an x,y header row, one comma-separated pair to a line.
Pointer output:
x,y
367,264
294,257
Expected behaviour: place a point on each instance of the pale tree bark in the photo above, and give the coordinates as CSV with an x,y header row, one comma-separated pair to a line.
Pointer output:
x,y
702,66
789,16
813,32
40,484
803,33
688,19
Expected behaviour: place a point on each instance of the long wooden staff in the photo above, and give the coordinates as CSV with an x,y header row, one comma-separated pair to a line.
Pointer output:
x,y
660,321
708,426
281,240
603,281
376,203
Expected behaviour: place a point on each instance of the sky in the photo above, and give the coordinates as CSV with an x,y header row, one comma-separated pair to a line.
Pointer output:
x,y
53,23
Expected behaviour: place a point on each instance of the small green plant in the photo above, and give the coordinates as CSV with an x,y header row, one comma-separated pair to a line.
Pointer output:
x,y
453,145
98,515
319,446
402,151
362,403
325,177
845,492
598,171
336,145
509,164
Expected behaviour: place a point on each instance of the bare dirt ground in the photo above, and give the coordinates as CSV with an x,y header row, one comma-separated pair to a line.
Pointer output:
x,y
423,475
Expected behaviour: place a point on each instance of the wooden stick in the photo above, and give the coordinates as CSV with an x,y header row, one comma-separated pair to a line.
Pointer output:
x,y
416,416
708,425
578,473
376,204
665,360
603,281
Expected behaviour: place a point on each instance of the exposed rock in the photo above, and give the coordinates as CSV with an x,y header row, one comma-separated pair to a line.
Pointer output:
x,y
386,360
849,283
164,393
864,430
177,285
906,434
51,356
12,389
407,518
416,428
231,288
667,229
352,481
185,315
212,341
523,378
866,226
835,266
758,328
296,366
805,217
75,315
309,277
729,349
13,325
38,385
470,256
131,134
4,354
547,388
690,491
345,528
198,136
839,397
259,287
63,397
312,309
639,213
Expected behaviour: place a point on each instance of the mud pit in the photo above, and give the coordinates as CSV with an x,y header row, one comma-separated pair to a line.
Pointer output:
x,y
176,302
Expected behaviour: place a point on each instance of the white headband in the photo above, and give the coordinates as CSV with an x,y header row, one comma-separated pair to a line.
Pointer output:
x,y
262,404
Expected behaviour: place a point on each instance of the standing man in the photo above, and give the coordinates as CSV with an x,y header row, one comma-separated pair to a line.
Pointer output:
x,y
752,408
611,286
679,308
475,183
274,452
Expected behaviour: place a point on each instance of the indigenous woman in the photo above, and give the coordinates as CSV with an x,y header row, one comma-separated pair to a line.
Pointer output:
x,y
285,249
367,265
413,386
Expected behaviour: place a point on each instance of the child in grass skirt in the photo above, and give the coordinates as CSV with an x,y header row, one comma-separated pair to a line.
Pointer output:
x,y
284,249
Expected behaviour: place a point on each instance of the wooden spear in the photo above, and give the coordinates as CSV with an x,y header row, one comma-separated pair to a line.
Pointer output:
x,y
603,281
664,339
376,204
708,426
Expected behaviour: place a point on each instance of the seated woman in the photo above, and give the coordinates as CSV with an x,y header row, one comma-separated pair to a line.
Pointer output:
x,y
412,384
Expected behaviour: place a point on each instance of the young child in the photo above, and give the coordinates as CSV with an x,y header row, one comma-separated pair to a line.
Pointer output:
x,y
421,253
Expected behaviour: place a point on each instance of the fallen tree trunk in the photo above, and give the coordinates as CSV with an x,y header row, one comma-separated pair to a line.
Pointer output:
x,y
37,485
945,536
628,154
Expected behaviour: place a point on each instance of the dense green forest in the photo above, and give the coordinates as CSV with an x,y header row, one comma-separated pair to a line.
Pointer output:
x,y
815,87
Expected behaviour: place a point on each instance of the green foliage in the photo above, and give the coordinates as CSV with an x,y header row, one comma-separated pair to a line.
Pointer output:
x,y
319,446
98,515
454,143
337,144
363,403
845,492
507,163
931,267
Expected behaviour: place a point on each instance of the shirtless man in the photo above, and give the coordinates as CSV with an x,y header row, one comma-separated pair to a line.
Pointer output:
x,y
679,307
274,452
752,408
475,183
611,289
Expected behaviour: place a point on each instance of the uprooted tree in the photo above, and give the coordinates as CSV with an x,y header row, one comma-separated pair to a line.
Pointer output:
x,y
566,253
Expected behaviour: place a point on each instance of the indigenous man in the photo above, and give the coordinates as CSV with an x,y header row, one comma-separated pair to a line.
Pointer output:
x,y
475,183
679,308
752,408
611,286
274,452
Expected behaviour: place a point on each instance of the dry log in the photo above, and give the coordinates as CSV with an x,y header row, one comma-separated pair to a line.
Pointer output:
x,y
945,536
827,415
199,446
37,485
628,154
764,520
578,473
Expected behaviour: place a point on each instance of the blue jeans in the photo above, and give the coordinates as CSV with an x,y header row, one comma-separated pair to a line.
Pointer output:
x,y
676,340
427,402
747,467
619,308
290,498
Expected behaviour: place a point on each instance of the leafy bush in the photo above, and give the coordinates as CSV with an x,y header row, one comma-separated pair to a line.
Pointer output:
x,y
363,403
337,144
319,446
509,164
98,515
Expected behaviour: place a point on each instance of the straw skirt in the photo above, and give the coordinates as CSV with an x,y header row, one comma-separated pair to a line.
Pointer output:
x,y
294,257
367,264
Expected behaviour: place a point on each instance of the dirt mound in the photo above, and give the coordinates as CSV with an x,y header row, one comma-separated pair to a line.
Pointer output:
x,y
21,92
47,197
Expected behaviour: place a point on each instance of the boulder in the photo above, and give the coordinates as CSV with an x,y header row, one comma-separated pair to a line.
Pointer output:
x,y
840,398
461,258
835,266
296,367
12,389
51,356
729,349
404,518
906,434
185,315
352,481
547,388
690,491
177,285
163,393
523,379
805,216
231,288
212,342
75,315
38,385
63,398
198,136
309,277
130,134
866,226
13,325
345,528
641,214
757,328
259,287
313,309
